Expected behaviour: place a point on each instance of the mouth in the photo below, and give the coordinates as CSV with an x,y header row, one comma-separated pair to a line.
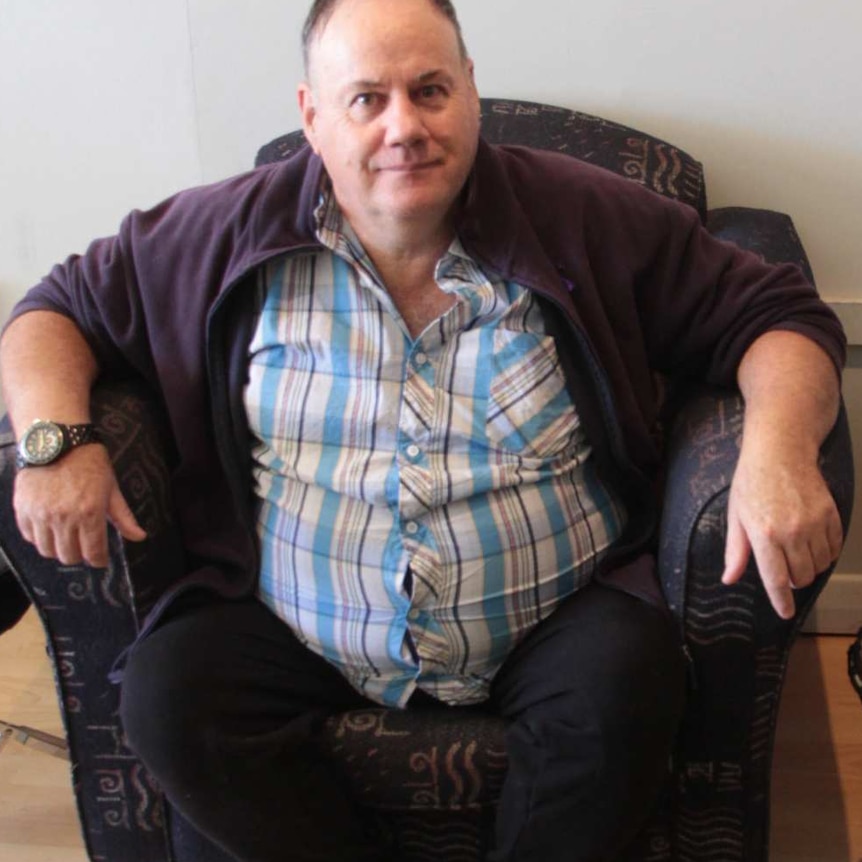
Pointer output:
x,y
410,168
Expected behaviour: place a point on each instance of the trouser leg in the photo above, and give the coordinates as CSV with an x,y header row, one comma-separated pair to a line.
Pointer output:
x,y
594,695
222,704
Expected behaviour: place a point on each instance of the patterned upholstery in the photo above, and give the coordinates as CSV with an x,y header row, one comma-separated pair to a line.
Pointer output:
x,y
428,781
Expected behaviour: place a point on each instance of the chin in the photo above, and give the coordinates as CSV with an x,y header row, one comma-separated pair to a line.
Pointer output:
x,y
416,205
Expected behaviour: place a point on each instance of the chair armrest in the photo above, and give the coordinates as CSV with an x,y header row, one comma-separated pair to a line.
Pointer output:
x,y
703,447
90,615
738,646
138,439
770,234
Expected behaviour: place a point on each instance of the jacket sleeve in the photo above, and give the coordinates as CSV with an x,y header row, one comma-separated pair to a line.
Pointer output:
x,y
100,292
708,300
141,298
694,302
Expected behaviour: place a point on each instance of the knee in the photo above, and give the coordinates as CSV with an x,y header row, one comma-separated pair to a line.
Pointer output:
x,y
163,716
622,698
640,696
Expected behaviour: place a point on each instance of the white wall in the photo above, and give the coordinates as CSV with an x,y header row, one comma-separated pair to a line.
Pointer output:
x,y
106,105
97,115
110,104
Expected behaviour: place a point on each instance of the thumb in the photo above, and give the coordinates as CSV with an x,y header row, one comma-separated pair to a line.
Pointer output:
x,y
121,516
737,551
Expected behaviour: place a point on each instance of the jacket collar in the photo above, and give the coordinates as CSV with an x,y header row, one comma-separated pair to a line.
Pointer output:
x,y
491,222
495,229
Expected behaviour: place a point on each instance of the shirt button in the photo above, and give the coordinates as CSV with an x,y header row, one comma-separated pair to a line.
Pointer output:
x,y
414,614
411,527
413,451
420,358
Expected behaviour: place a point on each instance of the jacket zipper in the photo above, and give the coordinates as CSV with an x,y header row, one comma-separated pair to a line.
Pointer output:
x,y
219,381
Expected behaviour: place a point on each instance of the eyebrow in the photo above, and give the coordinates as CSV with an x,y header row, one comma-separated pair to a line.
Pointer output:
x,y
434,73
372,84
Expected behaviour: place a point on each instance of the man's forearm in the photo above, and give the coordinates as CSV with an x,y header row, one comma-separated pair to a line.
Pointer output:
x,y
47,370
780,508
791,390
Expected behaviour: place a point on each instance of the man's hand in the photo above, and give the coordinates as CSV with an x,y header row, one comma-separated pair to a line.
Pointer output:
x,y
780,508
64,508
784,514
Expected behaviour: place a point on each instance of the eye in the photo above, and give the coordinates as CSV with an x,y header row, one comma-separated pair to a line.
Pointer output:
x,y
365,100
430,92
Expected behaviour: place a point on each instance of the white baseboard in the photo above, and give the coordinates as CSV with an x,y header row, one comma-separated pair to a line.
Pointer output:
x,y
838,610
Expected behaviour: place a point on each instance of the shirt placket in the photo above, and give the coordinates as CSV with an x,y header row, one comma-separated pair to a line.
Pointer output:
x,y
415,454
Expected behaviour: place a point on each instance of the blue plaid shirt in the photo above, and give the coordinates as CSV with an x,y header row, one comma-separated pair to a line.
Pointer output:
x,y
423,502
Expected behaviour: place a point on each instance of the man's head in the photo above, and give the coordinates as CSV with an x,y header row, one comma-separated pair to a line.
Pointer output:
x,y
321,10
391,107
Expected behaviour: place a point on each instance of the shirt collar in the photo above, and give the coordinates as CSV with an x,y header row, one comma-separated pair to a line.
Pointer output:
x,y
337,234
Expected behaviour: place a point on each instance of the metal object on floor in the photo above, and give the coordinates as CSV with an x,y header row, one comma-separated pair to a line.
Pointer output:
x,y
47,743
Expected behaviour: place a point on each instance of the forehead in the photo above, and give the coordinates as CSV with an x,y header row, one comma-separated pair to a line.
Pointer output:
x,y
363,35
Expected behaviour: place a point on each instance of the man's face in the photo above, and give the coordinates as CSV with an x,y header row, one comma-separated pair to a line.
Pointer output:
x,y
392,110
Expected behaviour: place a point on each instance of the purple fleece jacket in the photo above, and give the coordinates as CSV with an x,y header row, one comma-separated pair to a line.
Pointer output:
x,y
631,284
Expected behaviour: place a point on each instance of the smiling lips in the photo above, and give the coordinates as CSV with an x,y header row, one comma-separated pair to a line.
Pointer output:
x,y
409,167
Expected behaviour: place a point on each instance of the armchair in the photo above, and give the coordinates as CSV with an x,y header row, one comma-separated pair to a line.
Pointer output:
x,y
431,781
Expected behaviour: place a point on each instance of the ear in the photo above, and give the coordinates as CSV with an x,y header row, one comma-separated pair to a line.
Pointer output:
x,y
308,112
471,77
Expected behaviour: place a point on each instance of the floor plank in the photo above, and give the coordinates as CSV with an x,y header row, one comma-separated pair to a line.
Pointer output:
x,y
38,817
817,772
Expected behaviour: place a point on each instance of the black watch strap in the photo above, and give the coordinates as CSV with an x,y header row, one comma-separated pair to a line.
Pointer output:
x,y
78,435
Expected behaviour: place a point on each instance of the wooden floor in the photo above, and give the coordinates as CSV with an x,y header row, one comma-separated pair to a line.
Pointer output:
x,y
817,785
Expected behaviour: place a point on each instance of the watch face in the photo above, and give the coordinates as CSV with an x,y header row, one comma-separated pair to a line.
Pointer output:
x,y
42,443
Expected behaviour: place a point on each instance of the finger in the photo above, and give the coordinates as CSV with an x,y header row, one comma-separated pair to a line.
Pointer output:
x,y
94,545
122,517
737,552
43,539
25,527
775,575
821,554
800,564
68,549
781,599
822,548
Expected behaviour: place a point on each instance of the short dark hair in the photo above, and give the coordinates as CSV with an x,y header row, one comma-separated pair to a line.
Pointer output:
x,y
321,11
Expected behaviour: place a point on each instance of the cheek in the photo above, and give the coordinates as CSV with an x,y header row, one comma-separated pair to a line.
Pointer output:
x,y
348,149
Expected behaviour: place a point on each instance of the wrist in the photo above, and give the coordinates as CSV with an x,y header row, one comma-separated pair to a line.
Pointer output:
x,y
45,441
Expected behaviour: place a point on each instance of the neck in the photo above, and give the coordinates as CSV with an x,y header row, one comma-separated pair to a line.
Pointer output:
x,y
410,251
405,261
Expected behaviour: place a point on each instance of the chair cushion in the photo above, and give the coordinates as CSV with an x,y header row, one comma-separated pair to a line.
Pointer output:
x,y
437,759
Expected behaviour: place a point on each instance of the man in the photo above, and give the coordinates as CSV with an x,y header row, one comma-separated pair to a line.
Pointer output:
x,y
410,380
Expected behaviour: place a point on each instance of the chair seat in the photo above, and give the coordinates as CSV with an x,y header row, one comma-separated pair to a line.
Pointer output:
x,y
437,760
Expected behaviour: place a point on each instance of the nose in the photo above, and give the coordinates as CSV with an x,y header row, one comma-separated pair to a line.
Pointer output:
x,y
405,125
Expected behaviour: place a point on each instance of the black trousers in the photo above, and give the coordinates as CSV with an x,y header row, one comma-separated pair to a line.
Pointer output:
x,y
222,704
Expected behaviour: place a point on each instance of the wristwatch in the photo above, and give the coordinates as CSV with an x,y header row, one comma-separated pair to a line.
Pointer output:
x,y
45,441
